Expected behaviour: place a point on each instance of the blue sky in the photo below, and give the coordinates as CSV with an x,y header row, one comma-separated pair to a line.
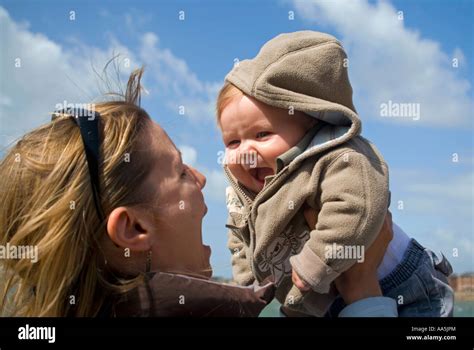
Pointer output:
x,y
404,61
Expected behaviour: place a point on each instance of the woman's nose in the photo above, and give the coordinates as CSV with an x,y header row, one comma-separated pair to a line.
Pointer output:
x,y
200,178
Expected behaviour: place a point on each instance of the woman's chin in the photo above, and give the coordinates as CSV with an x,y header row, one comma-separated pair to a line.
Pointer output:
x,y
207,261
207,253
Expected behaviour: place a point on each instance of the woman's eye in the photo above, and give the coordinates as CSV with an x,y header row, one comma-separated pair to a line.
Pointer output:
x,y
262,134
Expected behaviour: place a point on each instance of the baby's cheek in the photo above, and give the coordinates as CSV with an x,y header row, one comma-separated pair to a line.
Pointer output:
x,y
237,171
231,160
229,157
272,150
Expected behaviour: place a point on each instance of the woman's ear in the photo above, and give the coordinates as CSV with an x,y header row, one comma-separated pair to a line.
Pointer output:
x,y
127,229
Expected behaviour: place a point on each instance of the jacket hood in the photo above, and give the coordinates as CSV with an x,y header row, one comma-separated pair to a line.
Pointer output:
x,y
172,295
304,70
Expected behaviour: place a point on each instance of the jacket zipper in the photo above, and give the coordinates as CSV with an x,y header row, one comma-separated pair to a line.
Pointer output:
x,y
235,185
249,222
247,198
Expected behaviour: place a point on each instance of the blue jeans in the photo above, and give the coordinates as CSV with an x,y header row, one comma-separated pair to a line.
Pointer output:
x,y
419,285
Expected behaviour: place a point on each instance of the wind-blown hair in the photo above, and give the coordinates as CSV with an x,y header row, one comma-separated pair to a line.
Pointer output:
x,y
47,203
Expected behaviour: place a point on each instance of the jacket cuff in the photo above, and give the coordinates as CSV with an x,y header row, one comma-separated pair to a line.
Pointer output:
x,y
313,270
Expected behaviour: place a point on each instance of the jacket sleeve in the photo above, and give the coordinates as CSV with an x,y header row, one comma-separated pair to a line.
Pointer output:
x,y
241,270
353,201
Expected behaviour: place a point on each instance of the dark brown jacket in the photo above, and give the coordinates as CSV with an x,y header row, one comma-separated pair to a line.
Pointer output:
x,y
171,295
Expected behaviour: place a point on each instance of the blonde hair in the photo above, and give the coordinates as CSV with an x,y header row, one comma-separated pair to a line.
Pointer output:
x,y
227,93
47,203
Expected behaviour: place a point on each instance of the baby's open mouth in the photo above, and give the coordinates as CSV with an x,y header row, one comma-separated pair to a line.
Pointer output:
x,y
260,173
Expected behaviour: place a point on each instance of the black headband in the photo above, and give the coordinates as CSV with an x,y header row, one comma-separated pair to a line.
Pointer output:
x,y
88,122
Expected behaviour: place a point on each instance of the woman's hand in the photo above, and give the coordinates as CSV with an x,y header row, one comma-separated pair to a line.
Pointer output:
x,y
360,281
298,282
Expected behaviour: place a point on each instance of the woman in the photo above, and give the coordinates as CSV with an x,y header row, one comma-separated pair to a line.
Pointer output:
x,y
107,199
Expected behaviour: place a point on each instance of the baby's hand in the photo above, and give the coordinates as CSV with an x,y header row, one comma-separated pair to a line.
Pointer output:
x,y
298,282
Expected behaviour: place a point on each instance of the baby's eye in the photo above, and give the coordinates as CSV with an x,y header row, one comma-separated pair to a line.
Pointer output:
x,y
262,134
233,143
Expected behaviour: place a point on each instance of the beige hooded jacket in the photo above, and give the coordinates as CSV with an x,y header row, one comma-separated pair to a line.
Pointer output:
x,y
334,170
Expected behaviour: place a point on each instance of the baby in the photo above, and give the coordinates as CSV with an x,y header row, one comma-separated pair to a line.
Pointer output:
x,y
292,142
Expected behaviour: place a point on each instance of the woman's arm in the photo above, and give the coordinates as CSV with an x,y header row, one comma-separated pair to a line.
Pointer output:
x,y
360,281
359,286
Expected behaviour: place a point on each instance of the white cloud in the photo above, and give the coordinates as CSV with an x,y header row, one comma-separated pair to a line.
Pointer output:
x,y
189,155
216,184
459,56
391,62
216,180
176,82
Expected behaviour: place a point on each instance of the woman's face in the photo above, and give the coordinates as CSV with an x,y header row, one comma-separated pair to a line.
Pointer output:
x,y
178,209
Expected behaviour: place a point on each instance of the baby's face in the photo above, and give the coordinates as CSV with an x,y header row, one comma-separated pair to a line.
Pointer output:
x,y
254,135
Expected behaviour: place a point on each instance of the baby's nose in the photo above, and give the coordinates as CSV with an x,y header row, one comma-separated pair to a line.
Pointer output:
x,y
248,159
248,155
